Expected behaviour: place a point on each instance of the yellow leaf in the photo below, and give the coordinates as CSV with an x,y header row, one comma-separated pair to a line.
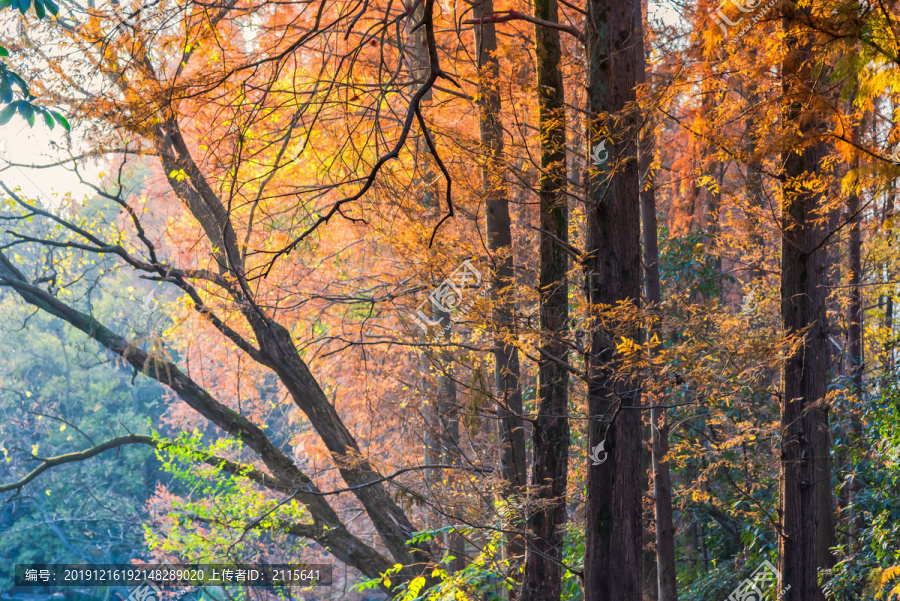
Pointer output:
x,y
62,428
34,449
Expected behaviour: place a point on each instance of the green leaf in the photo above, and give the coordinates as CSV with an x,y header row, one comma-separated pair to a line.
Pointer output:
x,y
7,113
39,9
24,5
4,51
19,82
48,119
6,93
61,120
4,4
52,7
26,111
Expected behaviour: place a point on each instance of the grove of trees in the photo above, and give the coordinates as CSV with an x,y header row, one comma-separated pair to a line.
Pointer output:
x,y
476,300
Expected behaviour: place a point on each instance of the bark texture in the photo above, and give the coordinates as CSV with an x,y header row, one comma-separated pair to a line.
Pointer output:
x,y
507,372
666,586
550,464
802,312
612,263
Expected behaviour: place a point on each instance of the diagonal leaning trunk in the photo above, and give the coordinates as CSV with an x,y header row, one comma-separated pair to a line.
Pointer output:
x,y
499,239
612,264
549,474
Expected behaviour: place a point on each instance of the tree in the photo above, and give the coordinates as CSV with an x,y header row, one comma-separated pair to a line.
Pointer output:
x,y
550,438
802,314
507,372
612,269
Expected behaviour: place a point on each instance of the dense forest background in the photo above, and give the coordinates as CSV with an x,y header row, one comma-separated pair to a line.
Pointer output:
x,y
543,300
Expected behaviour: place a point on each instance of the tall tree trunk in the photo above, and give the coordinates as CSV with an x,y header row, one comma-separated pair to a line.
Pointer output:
x,y
418,66
659,429
442,446
550,466
448,410
826,536
854,307
802,312
854,344
612,263
499,238
665,526
649,580
667,589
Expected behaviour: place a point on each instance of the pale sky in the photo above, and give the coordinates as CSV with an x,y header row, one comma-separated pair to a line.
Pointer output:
x,y
21,144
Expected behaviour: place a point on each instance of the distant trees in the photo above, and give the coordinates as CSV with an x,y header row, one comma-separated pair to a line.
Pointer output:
x,y
59,395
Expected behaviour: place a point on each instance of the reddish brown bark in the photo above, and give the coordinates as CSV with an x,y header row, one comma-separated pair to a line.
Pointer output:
x,y
550,439
612,562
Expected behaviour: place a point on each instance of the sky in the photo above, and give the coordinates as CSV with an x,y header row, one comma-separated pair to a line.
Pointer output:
x,y
38,145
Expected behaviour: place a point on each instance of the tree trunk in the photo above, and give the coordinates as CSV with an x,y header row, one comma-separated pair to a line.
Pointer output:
x,y
659,440
802,312
854,307
665,527
448,410
659,429
499,238
612,263
667,589
831,278
649,580
551,427
854,348
443,444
